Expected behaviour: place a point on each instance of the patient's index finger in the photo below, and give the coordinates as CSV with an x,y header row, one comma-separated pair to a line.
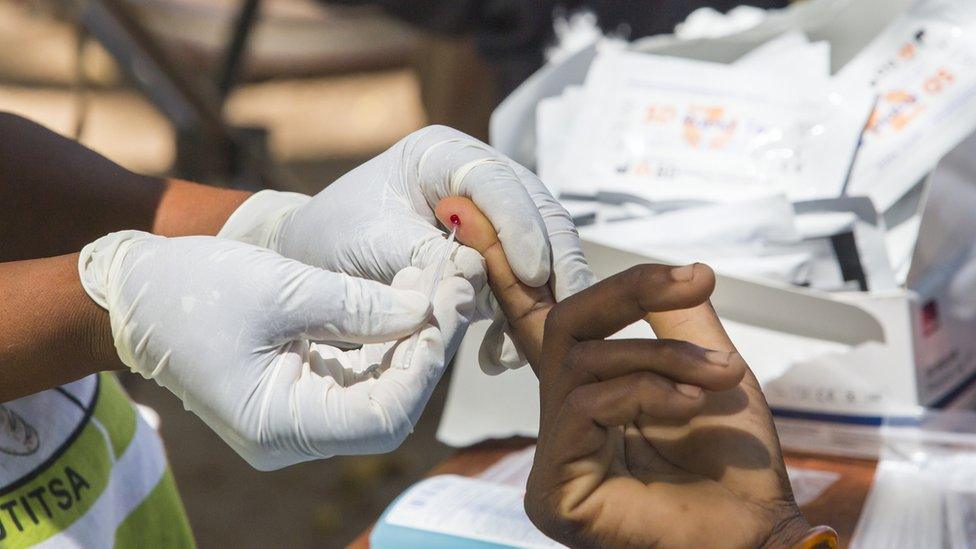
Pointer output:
x,y
525,307
624,298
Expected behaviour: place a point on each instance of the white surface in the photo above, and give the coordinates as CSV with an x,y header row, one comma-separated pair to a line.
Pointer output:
x,y
512,470
481,407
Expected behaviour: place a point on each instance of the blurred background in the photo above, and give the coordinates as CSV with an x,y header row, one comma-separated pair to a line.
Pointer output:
x,y
287,94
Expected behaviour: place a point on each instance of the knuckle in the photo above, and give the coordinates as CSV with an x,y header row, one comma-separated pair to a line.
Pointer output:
x,y
577,402
573,362
556,321
568,518
633,277
548,516
646,280
577,360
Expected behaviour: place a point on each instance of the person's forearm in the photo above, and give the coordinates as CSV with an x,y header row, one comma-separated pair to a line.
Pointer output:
x,y
56,195
187,209
53,333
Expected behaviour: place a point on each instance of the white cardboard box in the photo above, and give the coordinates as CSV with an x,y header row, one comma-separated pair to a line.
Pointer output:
x,y
833,365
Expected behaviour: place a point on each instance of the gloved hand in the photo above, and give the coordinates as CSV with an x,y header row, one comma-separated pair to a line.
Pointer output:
x,y
379,218
226,327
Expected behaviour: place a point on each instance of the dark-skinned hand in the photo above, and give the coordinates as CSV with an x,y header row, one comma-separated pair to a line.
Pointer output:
x,y
662,442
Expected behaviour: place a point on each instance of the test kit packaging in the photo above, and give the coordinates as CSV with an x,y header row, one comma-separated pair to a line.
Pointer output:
x,y
834,366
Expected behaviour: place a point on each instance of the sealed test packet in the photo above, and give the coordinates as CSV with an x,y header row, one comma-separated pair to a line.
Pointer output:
x,y
790,53
923,69
672,129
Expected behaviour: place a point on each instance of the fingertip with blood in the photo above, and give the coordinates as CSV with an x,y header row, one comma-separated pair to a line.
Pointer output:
x,y
524,306
473,228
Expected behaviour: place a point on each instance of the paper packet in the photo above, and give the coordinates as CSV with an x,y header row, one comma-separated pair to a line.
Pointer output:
x,y
671,129
923,69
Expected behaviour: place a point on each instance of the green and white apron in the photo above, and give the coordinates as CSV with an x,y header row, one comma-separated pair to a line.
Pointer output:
x,y
79,467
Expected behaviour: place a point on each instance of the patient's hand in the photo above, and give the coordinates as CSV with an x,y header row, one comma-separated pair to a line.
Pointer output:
x,y
631,451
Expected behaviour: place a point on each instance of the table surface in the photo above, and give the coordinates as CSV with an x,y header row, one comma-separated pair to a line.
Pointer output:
x,y
839,506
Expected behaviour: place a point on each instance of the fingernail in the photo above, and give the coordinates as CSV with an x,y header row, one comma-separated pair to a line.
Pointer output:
x,y
692,391
718,358
683,274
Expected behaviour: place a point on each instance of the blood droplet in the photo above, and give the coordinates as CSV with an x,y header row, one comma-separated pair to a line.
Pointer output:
x,y
455,219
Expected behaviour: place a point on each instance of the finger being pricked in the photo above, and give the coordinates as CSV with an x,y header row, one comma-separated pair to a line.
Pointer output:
x,y
525,307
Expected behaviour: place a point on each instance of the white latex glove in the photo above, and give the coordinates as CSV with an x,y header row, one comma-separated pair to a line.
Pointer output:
x,y
379,218
226,327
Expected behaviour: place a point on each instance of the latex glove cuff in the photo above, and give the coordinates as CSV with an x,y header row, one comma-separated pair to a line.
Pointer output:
x,y
258,219
98,264
97,260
